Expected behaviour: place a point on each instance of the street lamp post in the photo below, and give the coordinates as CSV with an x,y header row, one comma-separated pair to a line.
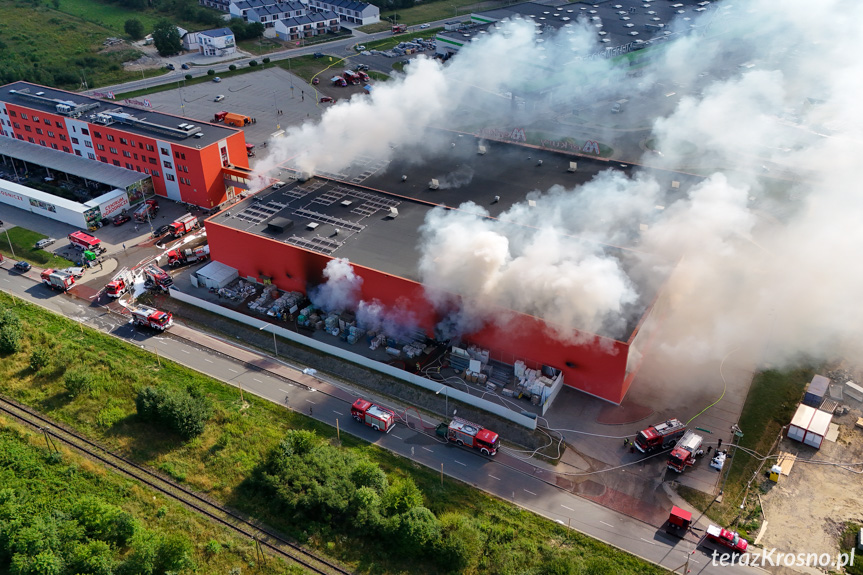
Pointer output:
x,y
275,345
735,440
445,389
10,242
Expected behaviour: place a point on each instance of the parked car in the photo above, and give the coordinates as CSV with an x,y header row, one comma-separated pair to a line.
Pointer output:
x,y
121,219
217,79
162,230
77,272
185,66
23,266
219,98
360,48
325,99
42,244
169,67
364,67
319,54
424,26
316,81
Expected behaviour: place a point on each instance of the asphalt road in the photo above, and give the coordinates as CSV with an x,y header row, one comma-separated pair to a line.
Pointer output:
x,y
496,476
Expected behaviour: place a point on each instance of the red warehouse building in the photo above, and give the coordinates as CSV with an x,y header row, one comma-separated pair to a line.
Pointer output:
x,y
287,236
187,161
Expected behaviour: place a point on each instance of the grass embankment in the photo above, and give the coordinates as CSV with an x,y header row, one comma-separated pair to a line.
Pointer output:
x,y
770,405
429,12
23,241
61,508
237,440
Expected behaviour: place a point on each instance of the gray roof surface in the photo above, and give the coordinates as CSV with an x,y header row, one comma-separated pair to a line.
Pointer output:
x,y
211,133
70,163
217,33
368,237
348,4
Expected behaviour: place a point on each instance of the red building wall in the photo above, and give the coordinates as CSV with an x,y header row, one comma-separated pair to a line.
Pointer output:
x,y
592,364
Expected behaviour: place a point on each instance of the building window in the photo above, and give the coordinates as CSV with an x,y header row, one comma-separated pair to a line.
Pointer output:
x,y
47,121
75,141
67,150
177,155
39,131
129,166
132,143
116,162
167,164
153,160
58,124
100,147
103,159
27,128
112,150
17,125
124,141
13,114
138,168
42,143
156,173
53,145
136,156
97,134
88,144
127,153
77,152
85,131
141,145
50,134
35,118
91,155
63,137
146,170
150,148
110,137
165,151
169,177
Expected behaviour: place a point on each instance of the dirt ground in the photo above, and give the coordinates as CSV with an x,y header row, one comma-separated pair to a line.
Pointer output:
x,y
807,510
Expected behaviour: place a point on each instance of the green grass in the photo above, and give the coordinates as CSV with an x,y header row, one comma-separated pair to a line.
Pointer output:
x,y
771,403
48,486
23,241
237,439
429,12
847,542
113,16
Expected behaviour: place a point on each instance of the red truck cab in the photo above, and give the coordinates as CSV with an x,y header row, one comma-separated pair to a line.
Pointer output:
x,y
374,416
728,539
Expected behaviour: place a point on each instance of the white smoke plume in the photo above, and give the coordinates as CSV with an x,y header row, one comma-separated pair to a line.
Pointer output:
x,y
759,98
457,178
397,321
341,288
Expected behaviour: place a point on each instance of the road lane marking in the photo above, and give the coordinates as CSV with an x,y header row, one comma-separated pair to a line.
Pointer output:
x,y
185,351
397,437
459,462
258,380
609,524
694,561
427,449
493,477
280,389
338,412
234,370
310,401
531,492
208,360
565,507
646,541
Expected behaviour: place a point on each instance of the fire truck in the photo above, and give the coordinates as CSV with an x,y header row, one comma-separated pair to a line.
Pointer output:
x,y
146,211
374,416
120,283
177,258
684,453
57,280
157,278
660,436
85,242
182,226
351,77
726,538
151,317
399,28
464,432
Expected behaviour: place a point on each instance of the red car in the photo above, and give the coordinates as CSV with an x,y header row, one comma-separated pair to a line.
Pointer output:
x,y
121,219
316,81
726,538
326,99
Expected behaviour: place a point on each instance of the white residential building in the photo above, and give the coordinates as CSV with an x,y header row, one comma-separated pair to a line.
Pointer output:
x,y
350,11
270,14
307,26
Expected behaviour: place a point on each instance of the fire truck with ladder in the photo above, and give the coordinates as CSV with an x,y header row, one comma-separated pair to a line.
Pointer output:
x,y
464,432
120,283
152,318
375,416
660,436
157,278
684,453
179,257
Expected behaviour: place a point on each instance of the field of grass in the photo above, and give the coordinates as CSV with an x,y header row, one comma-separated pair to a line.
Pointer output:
x,y
42,489
22,241
238,438
429,12
771,403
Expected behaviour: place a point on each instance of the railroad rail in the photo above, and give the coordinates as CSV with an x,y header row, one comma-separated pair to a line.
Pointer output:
x,y
263,537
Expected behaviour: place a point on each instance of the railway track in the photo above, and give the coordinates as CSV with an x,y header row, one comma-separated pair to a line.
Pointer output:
x,y
266,539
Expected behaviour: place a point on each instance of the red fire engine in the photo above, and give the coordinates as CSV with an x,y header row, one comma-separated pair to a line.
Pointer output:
x,y
464,432
120,284
374,416
685,452
660,436
151,317
85,242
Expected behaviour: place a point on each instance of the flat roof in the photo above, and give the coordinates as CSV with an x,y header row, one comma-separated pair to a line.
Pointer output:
x,y
127,118
70,164
368,237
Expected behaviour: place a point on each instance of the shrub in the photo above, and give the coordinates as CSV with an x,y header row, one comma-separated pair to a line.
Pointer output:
x,y
369,474
39,359
188,76
402,496
10,339
108,416
232,67
78,381
418,530
134,28
266,60
213,548
460,545
211,72
184,412
253,63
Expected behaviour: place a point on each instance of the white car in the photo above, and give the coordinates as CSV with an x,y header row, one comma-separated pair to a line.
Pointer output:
x,y
42,244
360,48
424,26
219,98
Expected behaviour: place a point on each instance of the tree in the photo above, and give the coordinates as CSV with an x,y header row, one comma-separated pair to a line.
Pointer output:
x,y
134,28
39,358
166,38
402,496
10,332
418,530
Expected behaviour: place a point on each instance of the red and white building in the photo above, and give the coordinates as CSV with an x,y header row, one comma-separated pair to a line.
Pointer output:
x,y
187,161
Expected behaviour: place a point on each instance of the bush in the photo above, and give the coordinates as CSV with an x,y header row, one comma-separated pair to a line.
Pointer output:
x,y
253,63
460,545
134,28
402,496
213,548
10,332
418,530
211,72
39,359
188,76
78,381
184,412
266,60
232,67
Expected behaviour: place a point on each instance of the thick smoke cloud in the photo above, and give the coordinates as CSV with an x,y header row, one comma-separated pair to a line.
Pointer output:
x,y
341,288
763,255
